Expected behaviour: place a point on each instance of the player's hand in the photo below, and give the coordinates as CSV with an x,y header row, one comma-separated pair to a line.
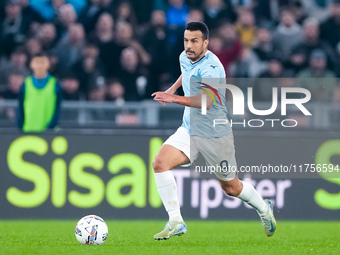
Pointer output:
x,y
163,97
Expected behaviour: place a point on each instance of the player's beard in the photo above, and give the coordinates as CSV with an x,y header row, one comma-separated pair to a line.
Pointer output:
x,y
196,56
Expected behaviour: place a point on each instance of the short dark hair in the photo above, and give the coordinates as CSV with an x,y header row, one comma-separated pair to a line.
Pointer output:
x,y
194,26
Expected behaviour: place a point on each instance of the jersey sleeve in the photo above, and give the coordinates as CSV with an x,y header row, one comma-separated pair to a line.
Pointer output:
x,y
211,74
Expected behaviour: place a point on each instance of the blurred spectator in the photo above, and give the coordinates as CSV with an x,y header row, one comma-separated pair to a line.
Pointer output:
x,y
131,76
317,66
243,4
297,61
126,13
11,92
109,55
175,48
39,99
90,15
143,9
318,9
226,45
109,50
245,26
104,31
266,12
275,69
15,81
91,51
97,94
115,92
109,5
54,64
323,83
88,70
55,10
215,43
177,12
217,10
70,49
30,14
247,66
125,38
270,78
16,64
49,9
155,42
66,16
263,46
312,41
299,12
70,87
13,27
330,29
287,35
34,30
176,15
33,47
195,15
47,36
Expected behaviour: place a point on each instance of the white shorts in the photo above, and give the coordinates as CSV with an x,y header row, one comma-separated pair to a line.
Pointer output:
x,y
216,151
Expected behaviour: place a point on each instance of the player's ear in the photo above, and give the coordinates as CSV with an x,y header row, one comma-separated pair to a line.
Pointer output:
x,y
206,42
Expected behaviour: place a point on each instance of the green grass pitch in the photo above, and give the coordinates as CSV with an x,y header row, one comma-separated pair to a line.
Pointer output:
x,y
203,237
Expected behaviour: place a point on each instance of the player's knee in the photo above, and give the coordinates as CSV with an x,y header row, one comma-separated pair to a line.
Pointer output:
x,y
158,166
230,191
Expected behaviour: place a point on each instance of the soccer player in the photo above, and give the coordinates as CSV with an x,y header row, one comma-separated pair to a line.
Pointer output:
x,y
215,144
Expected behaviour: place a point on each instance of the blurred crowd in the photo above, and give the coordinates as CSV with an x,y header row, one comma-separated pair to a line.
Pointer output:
x,y
118,50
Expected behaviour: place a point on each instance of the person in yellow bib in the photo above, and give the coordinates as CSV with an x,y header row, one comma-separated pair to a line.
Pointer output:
x,y
40,98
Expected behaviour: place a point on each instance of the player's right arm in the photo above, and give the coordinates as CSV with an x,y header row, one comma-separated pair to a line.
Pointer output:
x,y
175,86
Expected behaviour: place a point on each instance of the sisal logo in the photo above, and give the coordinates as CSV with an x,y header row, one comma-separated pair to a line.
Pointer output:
x,y
239,104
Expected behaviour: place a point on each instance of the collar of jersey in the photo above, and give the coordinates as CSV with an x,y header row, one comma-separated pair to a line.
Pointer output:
x,y
194,63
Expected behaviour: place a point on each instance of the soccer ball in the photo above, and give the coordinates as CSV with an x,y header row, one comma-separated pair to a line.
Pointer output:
x,y
91,229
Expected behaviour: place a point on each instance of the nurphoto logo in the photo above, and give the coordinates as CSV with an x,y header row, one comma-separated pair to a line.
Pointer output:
x,y
239,104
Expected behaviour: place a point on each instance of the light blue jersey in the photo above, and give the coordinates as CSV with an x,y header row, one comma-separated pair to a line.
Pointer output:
x,y
208,70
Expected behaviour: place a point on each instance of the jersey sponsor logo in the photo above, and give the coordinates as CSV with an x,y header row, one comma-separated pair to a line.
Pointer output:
x,y
213,67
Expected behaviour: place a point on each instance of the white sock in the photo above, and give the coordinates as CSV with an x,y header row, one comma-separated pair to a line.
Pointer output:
x,y
253,198
167,190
